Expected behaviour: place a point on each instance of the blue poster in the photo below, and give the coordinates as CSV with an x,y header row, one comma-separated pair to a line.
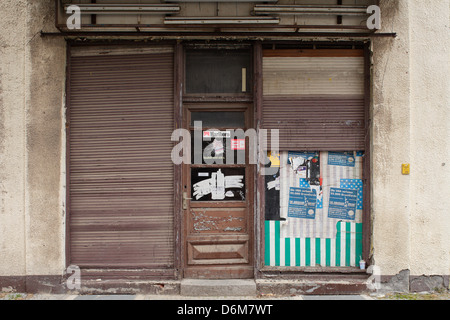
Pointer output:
x,y
354,184
302,203
346,159
342,204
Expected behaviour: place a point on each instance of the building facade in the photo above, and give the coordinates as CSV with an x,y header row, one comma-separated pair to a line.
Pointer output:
x,y
147,142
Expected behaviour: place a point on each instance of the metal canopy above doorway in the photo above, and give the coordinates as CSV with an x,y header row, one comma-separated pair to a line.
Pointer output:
x,y
225,18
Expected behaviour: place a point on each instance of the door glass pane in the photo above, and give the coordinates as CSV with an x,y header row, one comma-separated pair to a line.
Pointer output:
x,y
218,71
219,119
218,147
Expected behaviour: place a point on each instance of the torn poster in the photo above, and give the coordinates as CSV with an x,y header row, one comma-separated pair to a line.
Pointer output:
x,y
214,150
274,184
306,165
218,146
342,204
272,194
295,227
274,158
272,197
346,159
304,183
302,203
273,180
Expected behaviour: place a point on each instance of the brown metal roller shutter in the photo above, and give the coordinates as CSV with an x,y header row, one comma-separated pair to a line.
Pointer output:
x,y
315,98
120,171
316,123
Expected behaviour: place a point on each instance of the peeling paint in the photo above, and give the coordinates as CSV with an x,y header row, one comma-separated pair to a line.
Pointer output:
x,y
232,229
202,221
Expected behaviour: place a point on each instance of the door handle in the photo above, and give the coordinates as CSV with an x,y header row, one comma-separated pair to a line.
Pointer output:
x,y
185,199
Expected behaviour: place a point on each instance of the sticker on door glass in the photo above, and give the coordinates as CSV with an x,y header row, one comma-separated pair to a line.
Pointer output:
x,y
237,144
216,134
218,148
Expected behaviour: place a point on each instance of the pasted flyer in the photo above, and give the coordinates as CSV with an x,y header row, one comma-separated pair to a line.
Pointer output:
x,y
342,204
302,203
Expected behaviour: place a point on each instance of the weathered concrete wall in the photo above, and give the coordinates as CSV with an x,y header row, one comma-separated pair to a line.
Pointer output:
x,y
33,81
391,140
12,136
45,111
411,124
430,135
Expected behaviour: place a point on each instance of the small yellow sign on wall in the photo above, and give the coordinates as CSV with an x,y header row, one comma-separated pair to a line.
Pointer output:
x,y
405,169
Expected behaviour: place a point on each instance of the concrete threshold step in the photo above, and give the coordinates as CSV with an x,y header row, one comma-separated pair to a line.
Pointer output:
x,y
312,286
232,287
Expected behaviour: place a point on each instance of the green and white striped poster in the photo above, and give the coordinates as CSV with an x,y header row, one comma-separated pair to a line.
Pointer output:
x,y
345,250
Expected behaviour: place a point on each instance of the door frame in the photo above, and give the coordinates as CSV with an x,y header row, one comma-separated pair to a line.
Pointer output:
x,y
194,271
200,101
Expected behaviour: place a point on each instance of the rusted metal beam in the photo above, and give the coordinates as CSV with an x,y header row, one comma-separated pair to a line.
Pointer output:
x,y
93,27
249,35
94,8
220,20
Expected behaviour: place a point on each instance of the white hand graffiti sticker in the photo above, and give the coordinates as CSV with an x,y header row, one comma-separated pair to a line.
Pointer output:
x,y
217,185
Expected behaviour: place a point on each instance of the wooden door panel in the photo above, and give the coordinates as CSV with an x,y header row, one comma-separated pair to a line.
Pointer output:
x,y
217,220
218,250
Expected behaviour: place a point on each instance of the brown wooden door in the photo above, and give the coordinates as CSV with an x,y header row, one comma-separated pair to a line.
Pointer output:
x,y
218,194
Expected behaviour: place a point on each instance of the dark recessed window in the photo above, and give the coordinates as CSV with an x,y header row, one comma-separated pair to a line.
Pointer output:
x,y
218,71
